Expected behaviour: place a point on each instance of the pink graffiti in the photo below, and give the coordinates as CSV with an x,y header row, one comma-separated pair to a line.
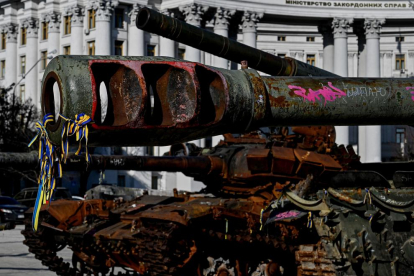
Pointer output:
x,y
412,92
287,214
312,95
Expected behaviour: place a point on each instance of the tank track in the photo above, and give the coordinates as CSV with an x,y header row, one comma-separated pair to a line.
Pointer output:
x,y
165,248
40,244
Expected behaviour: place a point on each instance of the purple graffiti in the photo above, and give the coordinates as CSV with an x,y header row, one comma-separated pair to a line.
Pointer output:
x,y
330,94
288,214
412,92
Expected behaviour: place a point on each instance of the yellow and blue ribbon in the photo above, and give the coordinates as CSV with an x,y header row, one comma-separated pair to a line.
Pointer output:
x,y
50,162
367,196
310,221
48,171
79,128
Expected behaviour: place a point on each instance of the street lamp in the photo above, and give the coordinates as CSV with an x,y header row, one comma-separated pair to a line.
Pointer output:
x,y
50,56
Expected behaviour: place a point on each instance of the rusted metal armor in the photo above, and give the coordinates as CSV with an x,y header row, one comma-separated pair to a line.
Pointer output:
x,y
284,202
274,204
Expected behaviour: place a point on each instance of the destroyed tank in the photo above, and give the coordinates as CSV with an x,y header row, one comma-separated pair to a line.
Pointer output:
x,y
277,202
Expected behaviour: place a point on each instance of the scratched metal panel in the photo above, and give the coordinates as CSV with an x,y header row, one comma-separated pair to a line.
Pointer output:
x,y
342,101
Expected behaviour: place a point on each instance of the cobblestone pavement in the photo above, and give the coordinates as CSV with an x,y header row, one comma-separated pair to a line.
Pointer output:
x,y
15,259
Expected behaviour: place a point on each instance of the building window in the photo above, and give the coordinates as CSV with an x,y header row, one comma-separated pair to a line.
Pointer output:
x,y
119,48
23,65
91,19
43,63
399,39
154,182
400,135
181,53
91,48
68,23
22,92
119,18
310,59
2,69
121,180
45,30
149,151
310,39
3,41
150,50
66,50
23,36
399,62
281,55
281,38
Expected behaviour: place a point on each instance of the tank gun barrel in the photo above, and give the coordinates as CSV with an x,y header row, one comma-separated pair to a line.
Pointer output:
x,y
187,164
158,23
163,101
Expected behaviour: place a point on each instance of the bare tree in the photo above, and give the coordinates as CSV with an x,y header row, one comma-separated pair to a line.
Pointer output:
x,y
17,119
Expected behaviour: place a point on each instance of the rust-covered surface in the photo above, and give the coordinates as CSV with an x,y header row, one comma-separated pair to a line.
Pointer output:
x,y
283,203
279,201
160,101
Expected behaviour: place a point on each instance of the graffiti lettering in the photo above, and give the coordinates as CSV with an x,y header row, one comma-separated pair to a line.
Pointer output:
x,y
330,94
288,214
117,162
412,92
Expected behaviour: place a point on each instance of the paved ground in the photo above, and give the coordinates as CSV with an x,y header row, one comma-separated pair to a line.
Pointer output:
x,y
15,259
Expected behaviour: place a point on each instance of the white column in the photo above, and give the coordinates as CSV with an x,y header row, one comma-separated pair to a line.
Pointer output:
x,y
328,47
76,39
373,133
103,27
249,27
53,41
382,62
221,27
388,65
350,64
340,27
11,31
372,33
300,56
362,51
32,27
167,46
361,73
355,65
321,60
193,14
362,143
410,63
136,37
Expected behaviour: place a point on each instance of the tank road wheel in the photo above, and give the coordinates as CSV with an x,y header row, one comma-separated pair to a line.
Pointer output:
x,y
267,268
218,267
42,243
78,265
311,261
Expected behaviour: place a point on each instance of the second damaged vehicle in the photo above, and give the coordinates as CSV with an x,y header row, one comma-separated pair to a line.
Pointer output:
x,y
276,204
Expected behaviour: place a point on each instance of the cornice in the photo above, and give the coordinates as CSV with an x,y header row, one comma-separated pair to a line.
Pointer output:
x,y
278,7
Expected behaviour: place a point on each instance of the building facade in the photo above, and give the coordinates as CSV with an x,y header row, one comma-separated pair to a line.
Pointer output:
x,y
349,38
